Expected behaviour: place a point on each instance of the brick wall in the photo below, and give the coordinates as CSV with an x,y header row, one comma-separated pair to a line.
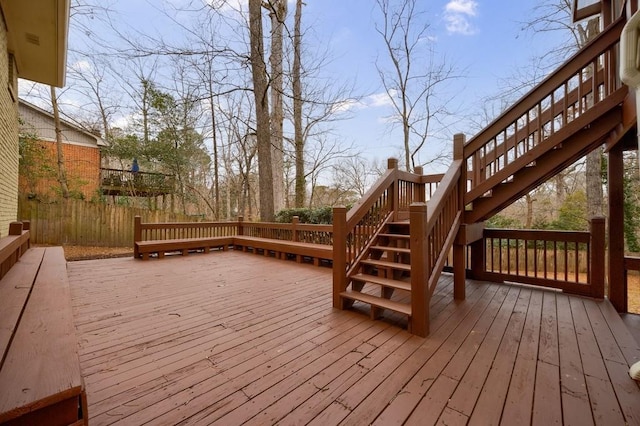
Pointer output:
x,y
82,166
8,140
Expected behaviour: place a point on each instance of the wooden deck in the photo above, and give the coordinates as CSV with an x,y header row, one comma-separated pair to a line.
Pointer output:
x,y
231,338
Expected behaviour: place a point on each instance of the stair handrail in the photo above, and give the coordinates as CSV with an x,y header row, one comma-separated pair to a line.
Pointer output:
x,y
492,140
355,230
433,227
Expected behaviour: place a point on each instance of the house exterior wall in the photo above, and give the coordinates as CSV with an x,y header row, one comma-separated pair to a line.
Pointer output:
x,y
8,138
38,179
82,166
43,126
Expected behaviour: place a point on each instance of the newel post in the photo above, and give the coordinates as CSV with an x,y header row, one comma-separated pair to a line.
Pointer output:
x,y
137,235
339,255
597,257
459,252
294,225
419,322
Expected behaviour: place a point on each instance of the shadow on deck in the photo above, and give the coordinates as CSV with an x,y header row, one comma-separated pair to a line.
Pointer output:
x,y
231,338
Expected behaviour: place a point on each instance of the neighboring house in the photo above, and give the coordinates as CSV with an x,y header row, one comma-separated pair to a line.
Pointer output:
x,y
81,151
33,46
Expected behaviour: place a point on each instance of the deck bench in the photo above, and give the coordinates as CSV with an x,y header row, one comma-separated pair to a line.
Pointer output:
x,y
282,249
40,379
183,245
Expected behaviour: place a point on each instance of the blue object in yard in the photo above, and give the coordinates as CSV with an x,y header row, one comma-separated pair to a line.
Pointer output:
x,y
134,167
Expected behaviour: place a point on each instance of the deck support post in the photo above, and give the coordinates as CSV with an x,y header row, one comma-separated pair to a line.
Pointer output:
x,y
459,258
419,321
339,255
597,257
617,284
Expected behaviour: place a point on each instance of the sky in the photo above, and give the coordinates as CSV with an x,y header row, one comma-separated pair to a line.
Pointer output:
x,y
482,39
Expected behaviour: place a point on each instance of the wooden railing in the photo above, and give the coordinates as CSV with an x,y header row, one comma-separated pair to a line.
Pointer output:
x,y
13,246
434,226
631,264
182,230
566,260
572,97
353,232
294,231
139,181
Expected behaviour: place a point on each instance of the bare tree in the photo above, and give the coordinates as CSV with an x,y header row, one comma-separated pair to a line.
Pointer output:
x,y
411,85
298,137
277,13
354,175
263,134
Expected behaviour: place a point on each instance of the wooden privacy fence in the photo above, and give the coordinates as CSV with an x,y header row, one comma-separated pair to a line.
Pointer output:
x,y
78,222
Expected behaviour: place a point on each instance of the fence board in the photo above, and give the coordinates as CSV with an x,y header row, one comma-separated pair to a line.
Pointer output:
x,y
78,222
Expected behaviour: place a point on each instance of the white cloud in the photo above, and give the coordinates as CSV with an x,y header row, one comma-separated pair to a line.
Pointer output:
x,y
379,99
458,14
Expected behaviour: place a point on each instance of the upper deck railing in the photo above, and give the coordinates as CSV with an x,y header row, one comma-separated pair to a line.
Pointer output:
x,y
115,181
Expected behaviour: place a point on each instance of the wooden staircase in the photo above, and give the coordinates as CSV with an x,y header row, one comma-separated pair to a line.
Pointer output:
x,y
383,270
578,108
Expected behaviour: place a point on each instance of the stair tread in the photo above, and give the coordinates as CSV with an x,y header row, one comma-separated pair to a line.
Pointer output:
x,y
401,236
377,301
390,248
388,282
387,264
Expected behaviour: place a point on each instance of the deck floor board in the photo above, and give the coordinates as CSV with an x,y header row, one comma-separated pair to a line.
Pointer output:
x,y
229,338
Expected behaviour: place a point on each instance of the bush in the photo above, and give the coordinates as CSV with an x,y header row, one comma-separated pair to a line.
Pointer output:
x,y
322,215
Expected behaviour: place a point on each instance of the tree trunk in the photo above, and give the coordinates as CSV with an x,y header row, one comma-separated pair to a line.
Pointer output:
x,y
216,172
278,14
62,174
300,186
259,73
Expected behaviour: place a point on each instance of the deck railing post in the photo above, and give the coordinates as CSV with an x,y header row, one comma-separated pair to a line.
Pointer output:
x,y
240,223
459,257
392,164
477,260
137,235
339,255
419,321
294,225
419,194
597,244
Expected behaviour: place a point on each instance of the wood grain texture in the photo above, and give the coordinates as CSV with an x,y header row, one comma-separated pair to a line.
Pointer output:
x,y
41,367
238,339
